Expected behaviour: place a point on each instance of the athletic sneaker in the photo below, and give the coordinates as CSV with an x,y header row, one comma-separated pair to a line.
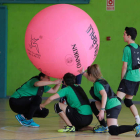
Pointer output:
x,y
20,118
67,129
100,129
137,129
30,123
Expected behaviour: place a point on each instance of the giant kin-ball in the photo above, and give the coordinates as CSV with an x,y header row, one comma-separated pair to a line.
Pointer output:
x,y
61,38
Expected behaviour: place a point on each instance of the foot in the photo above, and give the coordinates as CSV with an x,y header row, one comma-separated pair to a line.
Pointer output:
x,y
67,129
100,129
30,123
137,129
20,118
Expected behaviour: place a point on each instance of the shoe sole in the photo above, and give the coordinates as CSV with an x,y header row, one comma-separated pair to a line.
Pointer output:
x,y
30,125
100,132
137,135
18,120
66,131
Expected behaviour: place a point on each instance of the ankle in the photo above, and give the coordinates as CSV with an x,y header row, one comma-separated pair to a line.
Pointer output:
x,y
137,118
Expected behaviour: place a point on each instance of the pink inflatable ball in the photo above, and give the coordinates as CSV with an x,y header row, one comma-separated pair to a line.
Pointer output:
x,y
61,38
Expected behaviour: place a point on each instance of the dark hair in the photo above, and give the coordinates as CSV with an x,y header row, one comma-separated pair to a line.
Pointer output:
x,y
94,70
41,75
69,79
131,31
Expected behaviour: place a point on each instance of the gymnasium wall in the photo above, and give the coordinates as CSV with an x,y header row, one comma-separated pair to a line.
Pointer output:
x,y
109,23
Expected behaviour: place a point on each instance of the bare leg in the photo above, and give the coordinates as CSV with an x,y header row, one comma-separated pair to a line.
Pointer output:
x,y
111,121
120,94
133,107
63,114
98,105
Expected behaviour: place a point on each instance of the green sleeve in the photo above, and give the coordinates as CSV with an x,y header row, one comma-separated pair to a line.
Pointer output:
x,y
63,92
98,86
46,88
32,81
126,53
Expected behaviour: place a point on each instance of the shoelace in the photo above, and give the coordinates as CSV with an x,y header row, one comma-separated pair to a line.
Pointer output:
x,y
29,121
66,127
21,118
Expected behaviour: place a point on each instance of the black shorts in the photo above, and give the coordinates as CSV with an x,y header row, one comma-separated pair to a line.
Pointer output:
x,y
78,120
128,87
113,112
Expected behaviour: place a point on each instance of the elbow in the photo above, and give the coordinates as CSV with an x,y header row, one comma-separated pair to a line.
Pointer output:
x,y
105,97
35,84
124,68
54,91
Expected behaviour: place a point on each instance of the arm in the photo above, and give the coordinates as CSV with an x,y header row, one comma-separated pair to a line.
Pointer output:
x,y
85,74
124,69
44,83
54,89
104,98
53,97
81,71
103,104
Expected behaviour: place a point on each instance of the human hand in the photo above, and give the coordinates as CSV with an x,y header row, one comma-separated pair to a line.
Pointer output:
x,y
81,71
58,81
42,106
101,115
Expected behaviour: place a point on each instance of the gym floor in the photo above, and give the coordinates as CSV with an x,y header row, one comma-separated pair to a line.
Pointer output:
x,y
10,128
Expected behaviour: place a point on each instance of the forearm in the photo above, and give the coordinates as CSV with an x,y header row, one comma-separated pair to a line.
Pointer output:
x,y
124,69
43,83
104,100
55,88
123,72
85,74
47,101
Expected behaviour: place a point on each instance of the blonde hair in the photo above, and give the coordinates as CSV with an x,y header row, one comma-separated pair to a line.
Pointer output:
x,y
94,70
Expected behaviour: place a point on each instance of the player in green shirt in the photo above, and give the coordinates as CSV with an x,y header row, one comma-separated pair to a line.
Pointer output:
x,y
102,93
130,76
26,100
77,114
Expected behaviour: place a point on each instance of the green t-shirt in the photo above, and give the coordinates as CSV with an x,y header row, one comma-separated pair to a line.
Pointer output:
x,y
74,102
131,75
110,102
28,89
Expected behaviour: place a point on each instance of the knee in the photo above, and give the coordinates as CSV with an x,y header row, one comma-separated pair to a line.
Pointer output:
x,y
113,130
128,102
57,108
45,113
